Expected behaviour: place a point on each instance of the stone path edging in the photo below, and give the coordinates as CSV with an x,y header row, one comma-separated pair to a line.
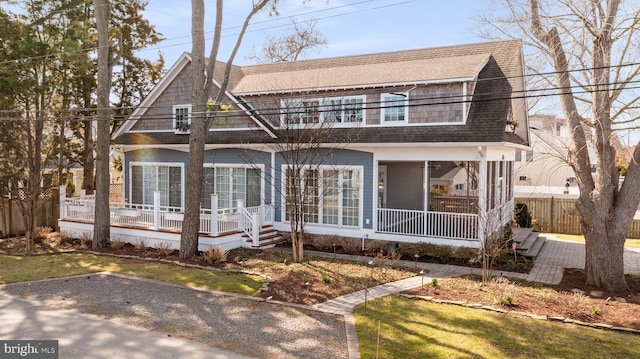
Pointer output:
x,y
522,314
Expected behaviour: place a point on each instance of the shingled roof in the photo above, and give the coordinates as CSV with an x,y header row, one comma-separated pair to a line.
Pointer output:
x,y
497,66
410,66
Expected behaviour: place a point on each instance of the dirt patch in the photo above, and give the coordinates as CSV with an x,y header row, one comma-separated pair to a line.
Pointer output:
x,y
564,300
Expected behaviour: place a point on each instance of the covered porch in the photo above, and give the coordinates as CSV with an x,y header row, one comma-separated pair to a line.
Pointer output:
x,y
455,202
235,227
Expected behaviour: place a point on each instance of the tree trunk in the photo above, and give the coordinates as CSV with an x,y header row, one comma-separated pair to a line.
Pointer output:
x,y
102,220
197,135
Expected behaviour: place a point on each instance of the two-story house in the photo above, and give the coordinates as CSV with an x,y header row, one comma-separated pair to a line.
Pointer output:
x,y
413,112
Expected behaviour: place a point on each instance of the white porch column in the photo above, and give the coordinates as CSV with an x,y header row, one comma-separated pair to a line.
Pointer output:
x,y
214,214
63,205
83,193
255,229
156,210
482,196
427,187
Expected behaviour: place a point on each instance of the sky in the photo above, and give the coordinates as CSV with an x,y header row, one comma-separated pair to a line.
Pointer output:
x,y
350,26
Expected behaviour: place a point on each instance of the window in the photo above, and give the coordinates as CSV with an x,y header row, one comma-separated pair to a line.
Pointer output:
x,y
319,110
331,197
146,179
394,107
182,118
231,184
301,112
344,110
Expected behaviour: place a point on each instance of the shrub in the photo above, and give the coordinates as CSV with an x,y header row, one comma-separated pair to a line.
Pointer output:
x,y
440,253
141,244
376,246
215,254
503,291
351,245
466,255
325,243
516,265
65,237
325,278
43,232
85,240
117,244
523,217
164,248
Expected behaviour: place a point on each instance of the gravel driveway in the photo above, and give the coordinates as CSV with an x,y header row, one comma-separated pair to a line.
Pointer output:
x,y
239,324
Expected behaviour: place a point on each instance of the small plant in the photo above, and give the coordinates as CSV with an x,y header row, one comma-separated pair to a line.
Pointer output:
x,y
141,244
596,311
43,232
215,254
117,244
183,126
164,248
574,303
434,283
325,278
376,246
85,240
508,300
65,237
305,279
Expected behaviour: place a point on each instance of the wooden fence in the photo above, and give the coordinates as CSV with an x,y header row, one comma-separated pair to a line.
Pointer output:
x,y
559,215
11,215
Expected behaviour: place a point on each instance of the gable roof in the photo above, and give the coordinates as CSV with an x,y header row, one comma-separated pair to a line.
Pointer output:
x,y
440,64
496,65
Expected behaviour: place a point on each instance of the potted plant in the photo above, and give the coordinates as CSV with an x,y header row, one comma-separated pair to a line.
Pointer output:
x,y
511,126
183,127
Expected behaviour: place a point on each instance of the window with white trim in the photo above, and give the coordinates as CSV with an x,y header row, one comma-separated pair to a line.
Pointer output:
x,y
338,110
182,117
231,184
146,179
331,196
393,107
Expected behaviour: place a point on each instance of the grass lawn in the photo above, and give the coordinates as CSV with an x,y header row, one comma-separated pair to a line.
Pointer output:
x,y
20,269
630,242
421,329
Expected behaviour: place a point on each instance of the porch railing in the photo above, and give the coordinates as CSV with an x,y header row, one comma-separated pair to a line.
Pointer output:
x,y
157,217
428,224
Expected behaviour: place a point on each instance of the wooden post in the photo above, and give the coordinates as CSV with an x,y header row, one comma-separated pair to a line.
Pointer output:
x,y
214,214
553,215
63,205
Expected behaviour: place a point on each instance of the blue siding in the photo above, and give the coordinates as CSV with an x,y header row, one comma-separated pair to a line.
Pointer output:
x,y
339,158
219,156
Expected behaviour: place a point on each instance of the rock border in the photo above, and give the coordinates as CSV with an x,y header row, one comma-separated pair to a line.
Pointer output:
x,y
522,314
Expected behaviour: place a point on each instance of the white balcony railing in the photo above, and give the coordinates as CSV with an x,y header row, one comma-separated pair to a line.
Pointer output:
x,y
428,224
156,217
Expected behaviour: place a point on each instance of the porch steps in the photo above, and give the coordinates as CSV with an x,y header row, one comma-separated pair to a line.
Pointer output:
x,y
269,237
528,242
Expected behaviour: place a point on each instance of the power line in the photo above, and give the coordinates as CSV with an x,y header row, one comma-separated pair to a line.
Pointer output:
x,y
278,111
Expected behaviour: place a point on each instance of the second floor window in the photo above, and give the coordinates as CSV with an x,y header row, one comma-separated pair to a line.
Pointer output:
x,y
394,107
182,117
336,110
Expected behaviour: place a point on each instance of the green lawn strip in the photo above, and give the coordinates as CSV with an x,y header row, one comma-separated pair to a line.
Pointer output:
x,y
629,243
15,269
422,329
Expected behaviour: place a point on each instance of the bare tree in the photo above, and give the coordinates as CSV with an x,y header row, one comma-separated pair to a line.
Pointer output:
x,y
102,222
587,44
201,83
293,45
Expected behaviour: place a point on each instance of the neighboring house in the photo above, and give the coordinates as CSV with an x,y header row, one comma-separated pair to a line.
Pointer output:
x,y
543,169
413,111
